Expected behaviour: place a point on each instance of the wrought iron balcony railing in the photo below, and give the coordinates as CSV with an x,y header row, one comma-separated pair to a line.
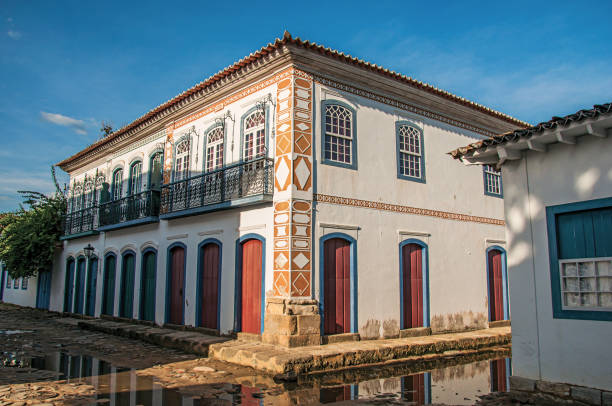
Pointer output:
x,y
81,221
130,209
253,178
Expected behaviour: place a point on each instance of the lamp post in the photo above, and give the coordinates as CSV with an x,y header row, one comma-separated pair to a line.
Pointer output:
x,y
89,250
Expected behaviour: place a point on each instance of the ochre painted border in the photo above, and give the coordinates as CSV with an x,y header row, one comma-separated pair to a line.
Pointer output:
x,y
345,201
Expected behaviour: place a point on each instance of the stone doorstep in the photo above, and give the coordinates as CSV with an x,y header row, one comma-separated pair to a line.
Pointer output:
x,y
499,323
339,338
415,332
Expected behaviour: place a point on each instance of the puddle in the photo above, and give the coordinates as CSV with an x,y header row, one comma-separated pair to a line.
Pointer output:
x,y
457,384
11,332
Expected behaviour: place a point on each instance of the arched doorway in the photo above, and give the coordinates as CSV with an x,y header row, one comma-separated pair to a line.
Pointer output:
x,y
496,281
69,284
92,280
126,299
175,300
108,293
251,299
209,278
339,284
147,285
79,294
413,284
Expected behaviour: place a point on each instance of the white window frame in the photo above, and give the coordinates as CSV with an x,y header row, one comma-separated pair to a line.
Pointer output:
x,y
117,184
338,136
136,178
182,160
257,133
578,286
492,181
215,149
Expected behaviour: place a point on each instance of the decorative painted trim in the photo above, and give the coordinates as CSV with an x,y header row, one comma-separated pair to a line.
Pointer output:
x,y
345,201
155,136
353,280
425,287
397,104
266,129
199,282
504,280
398,153
354,153
238,281
553,253
147,250
168,279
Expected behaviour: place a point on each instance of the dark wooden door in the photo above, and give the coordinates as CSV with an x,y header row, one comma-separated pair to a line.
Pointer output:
x,y
126,304
251,286
147,291
496,291
79,294
337,286
498,375
177,285
209,286
92,281
108,296
335,394
43,295
2,272
412,285
413,389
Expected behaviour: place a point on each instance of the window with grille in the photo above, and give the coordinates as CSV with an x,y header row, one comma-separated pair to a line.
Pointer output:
x,y
24,283
156,171
88,196
492,181
410,156
117,184
254,136
136,177
77,198
586,283
339,135
214,149
181,166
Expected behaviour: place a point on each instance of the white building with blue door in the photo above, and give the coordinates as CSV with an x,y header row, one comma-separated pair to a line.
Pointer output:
x,y
558,210
34,291
299,176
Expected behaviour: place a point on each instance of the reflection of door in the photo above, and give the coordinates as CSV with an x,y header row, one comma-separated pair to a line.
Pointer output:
x,y
209,285
499,375
79,286
336,394
108,296
413,389
251,286
92,281
496,295
177,278
43,296
127,286
147,296
337,286
412,286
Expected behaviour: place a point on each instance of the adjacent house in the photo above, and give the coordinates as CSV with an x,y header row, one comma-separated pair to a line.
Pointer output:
x,y
558,209
298,193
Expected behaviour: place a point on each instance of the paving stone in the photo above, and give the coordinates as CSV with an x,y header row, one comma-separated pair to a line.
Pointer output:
x,y
588,395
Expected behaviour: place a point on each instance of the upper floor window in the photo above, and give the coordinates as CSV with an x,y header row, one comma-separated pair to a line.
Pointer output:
x,y
254,135
410,152
117,184
181,161
214,148
88,196
156,170
339,135
8,280
77,198
16,283
492,181
135,177
24,283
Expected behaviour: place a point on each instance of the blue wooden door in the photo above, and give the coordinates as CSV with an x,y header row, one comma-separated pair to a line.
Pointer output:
x,y
147,286
92,280
43,294
69,285
108,294
126,302
2,283
79,294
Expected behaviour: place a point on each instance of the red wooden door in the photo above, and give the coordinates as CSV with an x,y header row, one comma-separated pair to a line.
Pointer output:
x,y
177,278
209,293
496,295
337,286
498,376
412,285
251,286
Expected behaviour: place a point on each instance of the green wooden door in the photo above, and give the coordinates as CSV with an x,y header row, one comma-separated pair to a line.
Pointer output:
x,y
127,286
147,289
108,296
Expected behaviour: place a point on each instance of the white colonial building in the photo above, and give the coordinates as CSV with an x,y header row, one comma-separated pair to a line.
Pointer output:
x,y
300,192
558,209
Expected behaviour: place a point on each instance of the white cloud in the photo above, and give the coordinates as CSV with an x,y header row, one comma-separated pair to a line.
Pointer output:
x,y
14,34
77,125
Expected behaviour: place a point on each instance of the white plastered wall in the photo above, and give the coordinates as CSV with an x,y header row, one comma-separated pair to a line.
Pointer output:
x,y
19,296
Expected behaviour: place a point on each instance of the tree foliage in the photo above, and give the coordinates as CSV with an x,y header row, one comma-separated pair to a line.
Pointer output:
x,y
28,237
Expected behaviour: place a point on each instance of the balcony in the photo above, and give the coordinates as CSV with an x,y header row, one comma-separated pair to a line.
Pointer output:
x,y
137,209
80,223
233,186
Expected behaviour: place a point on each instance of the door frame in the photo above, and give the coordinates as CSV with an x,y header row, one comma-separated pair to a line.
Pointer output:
x,y
200,281
122,281
504,281
169,279
238,281
142,282
353,278
425,287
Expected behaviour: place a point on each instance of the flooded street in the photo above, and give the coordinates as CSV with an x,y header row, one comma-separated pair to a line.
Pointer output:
x,y
54,362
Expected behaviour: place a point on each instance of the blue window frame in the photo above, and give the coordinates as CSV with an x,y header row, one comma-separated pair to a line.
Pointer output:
x,y
338,134
580,251
410,151
492,181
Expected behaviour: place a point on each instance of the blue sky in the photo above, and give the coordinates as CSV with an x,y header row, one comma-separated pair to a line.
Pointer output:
x,y
67,65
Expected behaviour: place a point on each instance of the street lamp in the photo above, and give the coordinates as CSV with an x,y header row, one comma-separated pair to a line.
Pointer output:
x,y
89,250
